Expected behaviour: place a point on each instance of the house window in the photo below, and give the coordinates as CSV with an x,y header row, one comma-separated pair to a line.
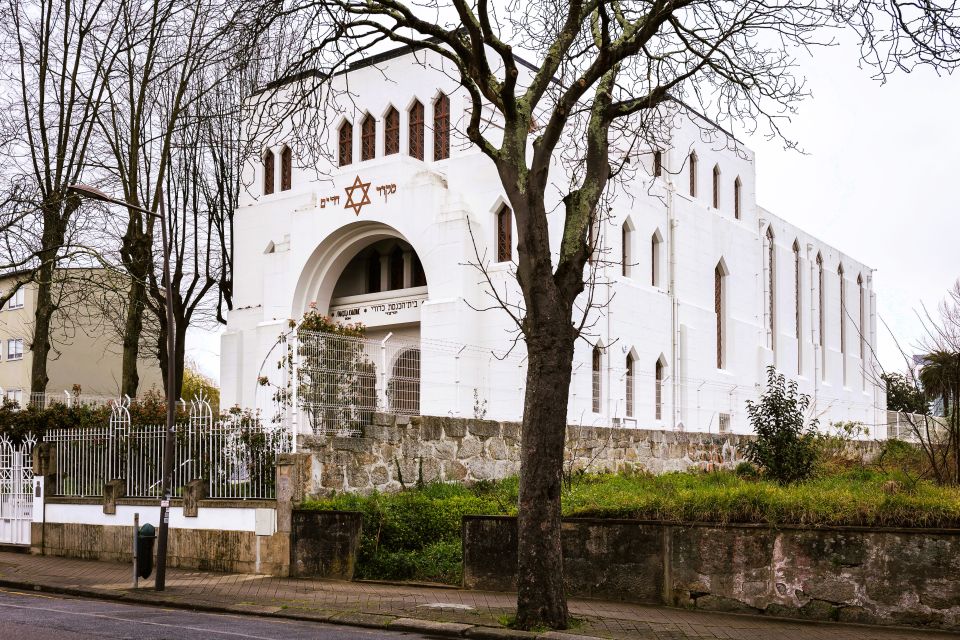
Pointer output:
x,y
655,241
286,169
716,186
15,349
415,143
268,178
736,197
719,275
693,174
346,144
368,138
626,253
631,365
504,234
771,291
657,163
658,390
14,396
441,128
796,305
16,300
391,132
596,361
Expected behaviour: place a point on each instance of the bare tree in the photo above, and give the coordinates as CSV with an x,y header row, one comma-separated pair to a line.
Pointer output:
x,y
607,71
55,67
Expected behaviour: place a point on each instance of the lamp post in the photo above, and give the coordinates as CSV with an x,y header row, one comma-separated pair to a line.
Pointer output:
x,y
93,193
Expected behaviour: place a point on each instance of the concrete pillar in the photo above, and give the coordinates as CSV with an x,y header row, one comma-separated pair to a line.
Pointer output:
x,y
407,269
112,491
384,273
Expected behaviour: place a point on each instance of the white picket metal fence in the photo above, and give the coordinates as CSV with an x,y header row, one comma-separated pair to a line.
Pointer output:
x,y
16,490
914,427
235,457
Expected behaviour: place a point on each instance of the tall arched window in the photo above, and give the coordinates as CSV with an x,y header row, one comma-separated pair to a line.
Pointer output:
x,y
657,163
719,276
626,253
736,197
658,390
441,127
771,290
822,317
716,186
693,174
346,144
391,132
655,243
862,319
368,138
415,141
630,381
504,234
843,320
796,305
268,177
286,169
596,363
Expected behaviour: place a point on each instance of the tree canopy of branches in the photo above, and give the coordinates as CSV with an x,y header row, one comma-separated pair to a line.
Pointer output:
x,y
604,70
902,395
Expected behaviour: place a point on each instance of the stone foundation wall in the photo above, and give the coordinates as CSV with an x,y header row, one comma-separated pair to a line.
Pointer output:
x,y
397,451
850,574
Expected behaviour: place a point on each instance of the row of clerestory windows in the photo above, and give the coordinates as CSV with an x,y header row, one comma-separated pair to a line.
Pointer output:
x,y
391,133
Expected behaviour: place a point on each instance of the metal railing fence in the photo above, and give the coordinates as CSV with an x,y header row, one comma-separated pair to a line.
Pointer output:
x,y
914,427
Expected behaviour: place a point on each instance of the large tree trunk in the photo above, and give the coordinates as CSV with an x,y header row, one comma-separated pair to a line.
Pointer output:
x,y
132,330
179,353
541,600
43,313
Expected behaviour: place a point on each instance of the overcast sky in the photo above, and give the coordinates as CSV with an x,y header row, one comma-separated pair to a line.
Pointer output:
x,y
877,182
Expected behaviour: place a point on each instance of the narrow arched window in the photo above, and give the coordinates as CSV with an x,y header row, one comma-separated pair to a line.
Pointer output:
x,y
796,305
655,242
596,363
658,390
719,275
268,177
391,132
693,174
415,141
629,381
771,290
716,186
286,169
504,234
368,138
657,163
441,128
346,144
626,252
842,310
737,188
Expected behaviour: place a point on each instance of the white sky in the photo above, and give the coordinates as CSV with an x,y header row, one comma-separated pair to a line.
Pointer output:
x,y
876,183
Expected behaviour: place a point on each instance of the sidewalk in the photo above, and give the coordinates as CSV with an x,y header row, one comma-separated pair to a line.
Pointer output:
x,y
435,610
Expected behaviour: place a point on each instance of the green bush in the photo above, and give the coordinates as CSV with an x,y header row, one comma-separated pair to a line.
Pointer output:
x,y
785,447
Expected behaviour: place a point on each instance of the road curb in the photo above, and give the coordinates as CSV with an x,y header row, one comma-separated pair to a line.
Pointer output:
x,y
345,618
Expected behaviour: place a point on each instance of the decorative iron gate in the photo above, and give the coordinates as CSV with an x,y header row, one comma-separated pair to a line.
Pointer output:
x,y
16,490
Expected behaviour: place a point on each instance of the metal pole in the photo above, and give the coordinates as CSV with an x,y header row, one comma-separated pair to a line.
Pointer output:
x,y
136,530
169,441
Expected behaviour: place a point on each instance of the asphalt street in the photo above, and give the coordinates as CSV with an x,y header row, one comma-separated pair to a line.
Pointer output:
x,y
34,616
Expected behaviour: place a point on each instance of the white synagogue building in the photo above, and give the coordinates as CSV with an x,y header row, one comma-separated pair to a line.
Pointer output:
x,y
698,290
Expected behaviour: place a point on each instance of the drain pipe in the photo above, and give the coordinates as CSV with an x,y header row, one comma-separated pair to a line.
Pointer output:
x,y
674,306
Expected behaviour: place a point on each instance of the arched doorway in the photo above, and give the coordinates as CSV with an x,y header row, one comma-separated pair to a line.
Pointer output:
x,y
404,388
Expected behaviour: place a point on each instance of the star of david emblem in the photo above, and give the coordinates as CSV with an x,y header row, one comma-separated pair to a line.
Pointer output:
x,y
364,188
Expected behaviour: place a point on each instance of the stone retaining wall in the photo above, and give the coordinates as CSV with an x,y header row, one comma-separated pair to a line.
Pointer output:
x,y
397,451
847,574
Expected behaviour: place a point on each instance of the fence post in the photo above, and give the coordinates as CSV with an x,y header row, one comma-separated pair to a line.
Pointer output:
x,y
383,372
136,529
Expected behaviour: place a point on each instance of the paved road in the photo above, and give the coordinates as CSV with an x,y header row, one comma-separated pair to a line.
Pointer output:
x,y
29,616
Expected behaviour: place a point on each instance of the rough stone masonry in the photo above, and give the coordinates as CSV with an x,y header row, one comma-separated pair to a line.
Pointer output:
x,y
397,451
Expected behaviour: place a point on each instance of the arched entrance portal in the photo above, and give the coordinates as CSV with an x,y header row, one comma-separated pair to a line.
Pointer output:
x,y
372,276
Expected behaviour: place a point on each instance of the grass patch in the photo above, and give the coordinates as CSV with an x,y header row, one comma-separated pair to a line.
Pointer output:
x,y
415,534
